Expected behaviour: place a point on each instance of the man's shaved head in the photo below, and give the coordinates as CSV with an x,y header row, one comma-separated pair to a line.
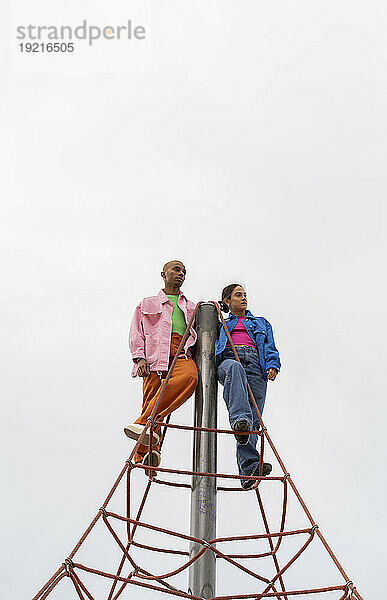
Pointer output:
x,y
171,263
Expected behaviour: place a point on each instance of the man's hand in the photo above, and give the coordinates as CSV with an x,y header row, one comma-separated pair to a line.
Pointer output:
x,y
272,374
143,369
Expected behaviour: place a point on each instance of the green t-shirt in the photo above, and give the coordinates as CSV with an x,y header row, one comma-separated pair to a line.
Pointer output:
x,y
178,319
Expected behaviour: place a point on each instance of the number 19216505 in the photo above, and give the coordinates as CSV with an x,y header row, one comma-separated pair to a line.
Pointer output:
x,y
46,47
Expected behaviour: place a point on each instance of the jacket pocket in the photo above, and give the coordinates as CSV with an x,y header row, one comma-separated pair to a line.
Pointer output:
x,y
151,322
151,347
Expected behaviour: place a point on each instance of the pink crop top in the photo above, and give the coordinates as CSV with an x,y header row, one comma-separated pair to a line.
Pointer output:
x,y
239,335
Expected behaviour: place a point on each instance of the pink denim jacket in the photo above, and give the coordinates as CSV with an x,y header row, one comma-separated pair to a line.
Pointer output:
x,y
151,328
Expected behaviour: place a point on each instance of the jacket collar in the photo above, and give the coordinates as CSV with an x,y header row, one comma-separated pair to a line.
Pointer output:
x,y
248,315
162,296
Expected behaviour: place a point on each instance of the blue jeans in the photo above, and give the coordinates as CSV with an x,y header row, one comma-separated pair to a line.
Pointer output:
x,y
233,376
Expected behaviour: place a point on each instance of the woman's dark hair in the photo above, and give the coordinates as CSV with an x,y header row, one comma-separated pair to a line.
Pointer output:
x,y
226,295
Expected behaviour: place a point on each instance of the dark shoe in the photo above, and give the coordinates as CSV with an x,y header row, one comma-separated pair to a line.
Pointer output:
x,y
242,426
266,470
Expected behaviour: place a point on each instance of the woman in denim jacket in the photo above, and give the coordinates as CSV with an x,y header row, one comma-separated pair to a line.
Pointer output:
x,y
254,343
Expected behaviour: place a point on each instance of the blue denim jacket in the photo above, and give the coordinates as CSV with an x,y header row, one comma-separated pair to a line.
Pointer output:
x,y
261,332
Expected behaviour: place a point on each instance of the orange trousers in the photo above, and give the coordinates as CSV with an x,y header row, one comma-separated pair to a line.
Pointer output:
x,y
180,387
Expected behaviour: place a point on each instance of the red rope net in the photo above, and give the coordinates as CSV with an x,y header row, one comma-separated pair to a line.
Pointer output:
x,y
127,539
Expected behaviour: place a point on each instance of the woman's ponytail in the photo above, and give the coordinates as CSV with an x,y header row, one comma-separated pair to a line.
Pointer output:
x,y
223,306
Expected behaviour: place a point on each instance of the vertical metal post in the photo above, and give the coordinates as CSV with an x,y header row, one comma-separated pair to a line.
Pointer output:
x,y
202,573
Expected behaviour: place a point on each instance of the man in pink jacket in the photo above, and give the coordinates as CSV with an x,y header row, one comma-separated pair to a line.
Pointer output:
x,y
156,331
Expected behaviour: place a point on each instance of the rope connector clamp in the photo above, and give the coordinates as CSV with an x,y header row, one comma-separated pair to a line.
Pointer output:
x,y
313,529
134,572
68,564
103,511
348,589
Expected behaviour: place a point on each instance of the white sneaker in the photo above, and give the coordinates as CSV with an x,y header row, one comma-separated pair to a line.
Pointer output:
x,y
156,458
134,431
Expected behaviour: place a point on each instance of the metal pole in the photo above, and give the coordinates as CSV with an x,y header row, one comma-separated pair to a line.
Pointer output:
x,y
202,573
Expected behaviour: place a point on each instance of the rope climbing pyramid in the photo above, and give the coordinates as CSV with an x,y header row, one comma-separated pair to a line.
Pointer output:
x,y
131,551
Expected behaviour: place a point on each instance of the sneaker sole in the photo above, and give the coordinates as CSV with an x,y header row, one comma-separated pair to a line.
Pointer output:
x,y
156,459
242,439
134,435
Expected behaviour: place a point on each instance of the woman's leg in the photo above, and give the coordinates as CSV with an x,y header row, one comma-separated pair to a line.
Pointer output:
x,y
232,376
248,456
258,384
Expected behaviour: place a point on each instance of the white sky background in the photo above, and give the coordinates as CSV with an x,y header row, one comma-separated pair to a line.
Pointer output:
x,y
253,151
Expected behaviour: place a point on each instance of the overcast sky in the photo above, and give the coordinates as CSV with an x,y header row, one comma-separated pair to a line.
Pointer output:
x,y
253,150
